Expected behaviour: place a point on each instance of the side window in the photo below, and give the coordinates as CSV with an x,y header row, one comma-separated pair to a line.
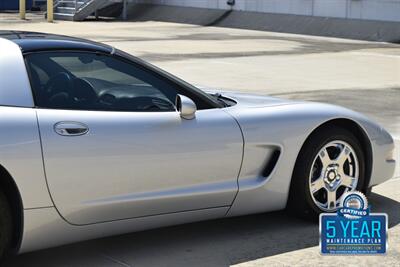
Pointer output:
x,y
89,81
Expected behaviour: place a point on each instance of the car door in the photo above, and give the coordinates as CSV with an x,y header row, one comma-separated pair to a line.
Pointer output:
x,y
114,147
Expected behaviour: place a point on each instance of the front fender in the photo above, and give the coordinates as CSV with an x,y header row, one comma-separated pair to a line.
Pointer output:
x,y
284,126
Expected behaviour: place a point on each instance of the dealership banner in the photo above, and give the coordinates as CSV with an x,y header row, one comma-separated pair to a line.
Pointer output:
x,y
353,229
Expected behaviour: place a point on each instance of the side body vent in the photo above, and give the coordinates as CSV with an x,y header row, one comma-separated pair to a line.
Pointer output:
x,y
271,163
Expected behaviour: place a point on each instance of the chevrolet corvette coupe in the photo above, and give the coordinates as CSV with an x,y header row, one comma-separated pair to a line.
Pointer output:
x,y
96,142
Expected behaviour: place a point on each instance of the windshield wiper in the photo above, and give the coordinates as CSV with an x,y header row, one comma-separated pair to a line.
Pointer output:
x,y
220,98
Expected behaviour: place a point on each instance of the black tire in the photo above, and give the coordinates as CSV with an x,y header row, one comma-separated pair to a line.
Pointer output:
x,y
368,192
5,226
300,201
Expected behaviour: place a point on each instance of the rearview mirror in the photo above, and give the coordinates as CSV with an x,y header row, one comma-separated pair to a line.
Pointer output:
x,y
186,107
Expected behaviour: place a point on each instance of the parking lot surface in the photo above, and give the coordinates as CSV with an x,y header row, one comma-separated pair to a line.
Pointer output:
x,y
364,76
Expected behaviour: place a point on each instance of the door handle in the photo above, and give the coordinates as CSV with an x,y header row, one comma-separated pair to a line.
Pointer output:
x,y
70,128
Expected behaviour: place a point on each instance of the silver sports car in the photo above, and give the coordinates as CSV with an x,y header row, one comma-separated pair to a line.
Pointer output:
x,y
96,142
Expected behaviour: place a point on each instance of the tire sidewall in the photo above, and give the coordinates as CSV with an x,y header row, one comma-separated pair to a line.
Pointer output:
x,y
6,227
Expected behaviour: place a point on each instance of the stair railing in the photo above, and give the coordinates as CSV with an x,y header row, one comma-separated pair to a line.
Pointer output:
x,y
78,4
56,3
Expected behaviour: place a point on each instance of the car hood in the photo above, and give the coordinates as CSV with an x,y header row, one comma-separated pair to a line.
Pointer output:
x,y
329,111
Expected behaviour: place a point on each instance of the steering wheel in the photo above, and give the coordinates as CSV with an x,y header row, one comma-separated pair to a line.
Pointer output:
x,y
83,92
59,83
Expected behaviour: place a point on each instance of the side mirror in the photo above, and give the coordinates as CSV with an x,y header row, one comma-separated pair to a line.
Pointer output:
x,y
186,107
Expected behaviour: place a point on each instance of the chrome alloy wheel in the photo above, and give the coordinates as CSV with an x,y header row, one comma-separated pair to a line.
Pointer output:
x,y
334,171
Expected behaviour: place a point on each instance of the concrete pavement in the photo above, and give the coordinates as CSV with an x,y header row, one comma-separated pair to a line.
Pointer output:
x,y
245,60
364,76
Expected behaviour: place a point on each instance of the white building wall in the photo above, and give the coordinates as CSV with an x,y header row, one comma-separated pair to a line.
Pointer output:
x,y
386,10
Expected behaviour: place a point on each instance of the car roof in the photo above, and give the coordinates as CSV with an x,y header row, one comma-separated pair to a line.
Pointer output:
x,y
37,41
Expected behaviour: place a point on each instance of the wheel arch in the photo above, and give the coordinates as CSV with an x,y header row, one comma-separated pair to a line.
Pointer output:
x,y
11,191
359,133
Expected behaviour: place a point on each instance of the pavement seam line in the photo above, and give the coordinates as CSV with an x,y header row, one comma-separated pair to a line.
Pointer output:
x,y
110,258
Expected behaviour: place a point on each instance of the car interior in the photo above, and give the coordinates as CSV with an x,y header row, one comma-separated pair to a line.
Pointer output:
x,y
82,83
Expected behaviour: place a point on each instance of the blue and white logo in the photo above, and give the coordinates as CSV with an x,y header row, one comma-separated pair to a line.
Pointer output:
x,y
354,205
353,230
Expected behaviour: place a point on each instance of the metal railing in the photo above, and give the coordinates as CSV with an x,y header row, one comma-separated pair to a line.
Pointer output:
x,y
77,4
77,10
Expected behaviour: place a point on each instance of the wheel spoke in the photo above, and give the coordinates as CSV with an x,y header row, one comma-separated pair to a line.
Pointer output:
x,y
343,155
331,199
317,185
324,157
347,181
335,166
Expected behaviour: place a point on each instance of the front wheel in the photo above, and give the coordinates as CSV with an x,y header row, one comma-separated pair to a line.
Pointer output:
x,y
330,164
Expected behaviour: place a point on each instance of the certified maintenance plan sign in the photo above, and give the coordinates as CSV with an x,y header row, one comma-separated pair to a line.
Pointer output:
x,y
353,230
